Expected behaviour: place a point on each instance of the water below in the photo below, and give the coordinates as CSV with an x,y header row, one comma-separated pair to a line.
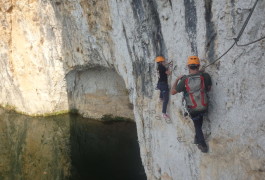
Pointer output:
x,y
67,147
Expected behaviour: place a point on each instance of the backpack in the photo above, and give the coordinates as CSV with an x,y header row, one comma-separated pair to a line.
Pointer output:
x,y
196,98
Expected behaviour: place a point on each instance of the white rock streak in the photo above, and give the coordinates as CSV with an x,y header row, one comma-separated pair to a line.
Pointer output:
x,y
44,42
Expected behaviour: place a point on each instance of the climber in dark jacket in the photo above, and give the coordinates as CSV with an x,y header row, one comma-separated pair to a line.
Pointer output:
x,y
162,84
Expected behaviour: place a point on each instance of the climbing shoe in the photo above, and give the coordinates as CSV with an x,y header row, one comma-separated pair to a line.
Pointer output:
x,y
164,115
203,148
167,118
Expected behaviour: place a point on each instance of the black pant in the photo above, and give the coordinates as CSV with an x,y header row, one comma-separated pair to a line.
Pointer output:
x,y
164,94
197,120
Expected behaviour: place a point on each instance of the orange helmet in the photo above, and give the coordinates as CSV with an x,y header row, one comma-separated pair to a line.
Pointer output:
x,y
193,60
160,59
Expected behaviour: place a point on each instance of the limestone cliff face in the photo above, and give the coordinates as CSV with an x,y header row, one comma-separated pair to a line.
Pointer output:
x,y
61,55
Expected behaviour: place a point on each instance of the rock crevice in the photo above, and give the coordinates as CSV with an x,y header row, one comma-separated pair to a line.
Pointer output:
x,y
51,50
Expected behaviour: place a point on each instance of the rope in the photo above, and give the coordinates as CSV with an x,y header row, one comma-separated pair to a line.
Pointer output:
x,y
238,37
246,22
250,42
220,56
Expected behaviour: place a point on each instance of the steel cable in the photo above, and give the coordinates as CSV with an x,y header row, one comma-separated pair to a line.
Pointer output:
x,y
240,45
238,37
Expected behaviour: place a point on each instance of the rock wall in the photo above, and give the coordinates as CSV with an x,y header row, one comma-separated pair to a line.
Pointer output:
x,y
34,148
45,42
98,91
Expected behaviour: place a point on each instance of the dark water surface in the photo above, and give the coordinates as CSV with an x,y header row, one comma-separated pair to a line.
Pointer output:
x,y
67,147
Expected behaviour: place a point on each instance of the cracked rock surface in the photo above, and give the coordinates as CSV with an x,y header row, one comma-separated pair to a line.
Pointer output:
x,y
59,55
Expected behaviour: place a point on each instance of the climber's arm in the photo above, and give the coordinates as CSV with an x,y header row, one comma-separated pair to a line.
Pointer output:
x,y
175,89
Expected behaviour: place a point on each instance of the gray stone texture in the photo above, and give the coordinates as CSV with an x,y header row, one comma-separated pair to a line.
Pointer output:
x,y
43,42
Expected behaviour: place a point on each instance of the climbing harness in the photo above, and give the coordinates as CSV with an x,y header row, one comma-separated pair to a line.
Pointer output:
x,y
238,37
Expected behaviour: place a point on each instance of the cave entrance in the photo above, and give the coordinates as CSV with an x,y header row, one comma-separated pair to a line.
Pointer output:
x,y
102,150
98,91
